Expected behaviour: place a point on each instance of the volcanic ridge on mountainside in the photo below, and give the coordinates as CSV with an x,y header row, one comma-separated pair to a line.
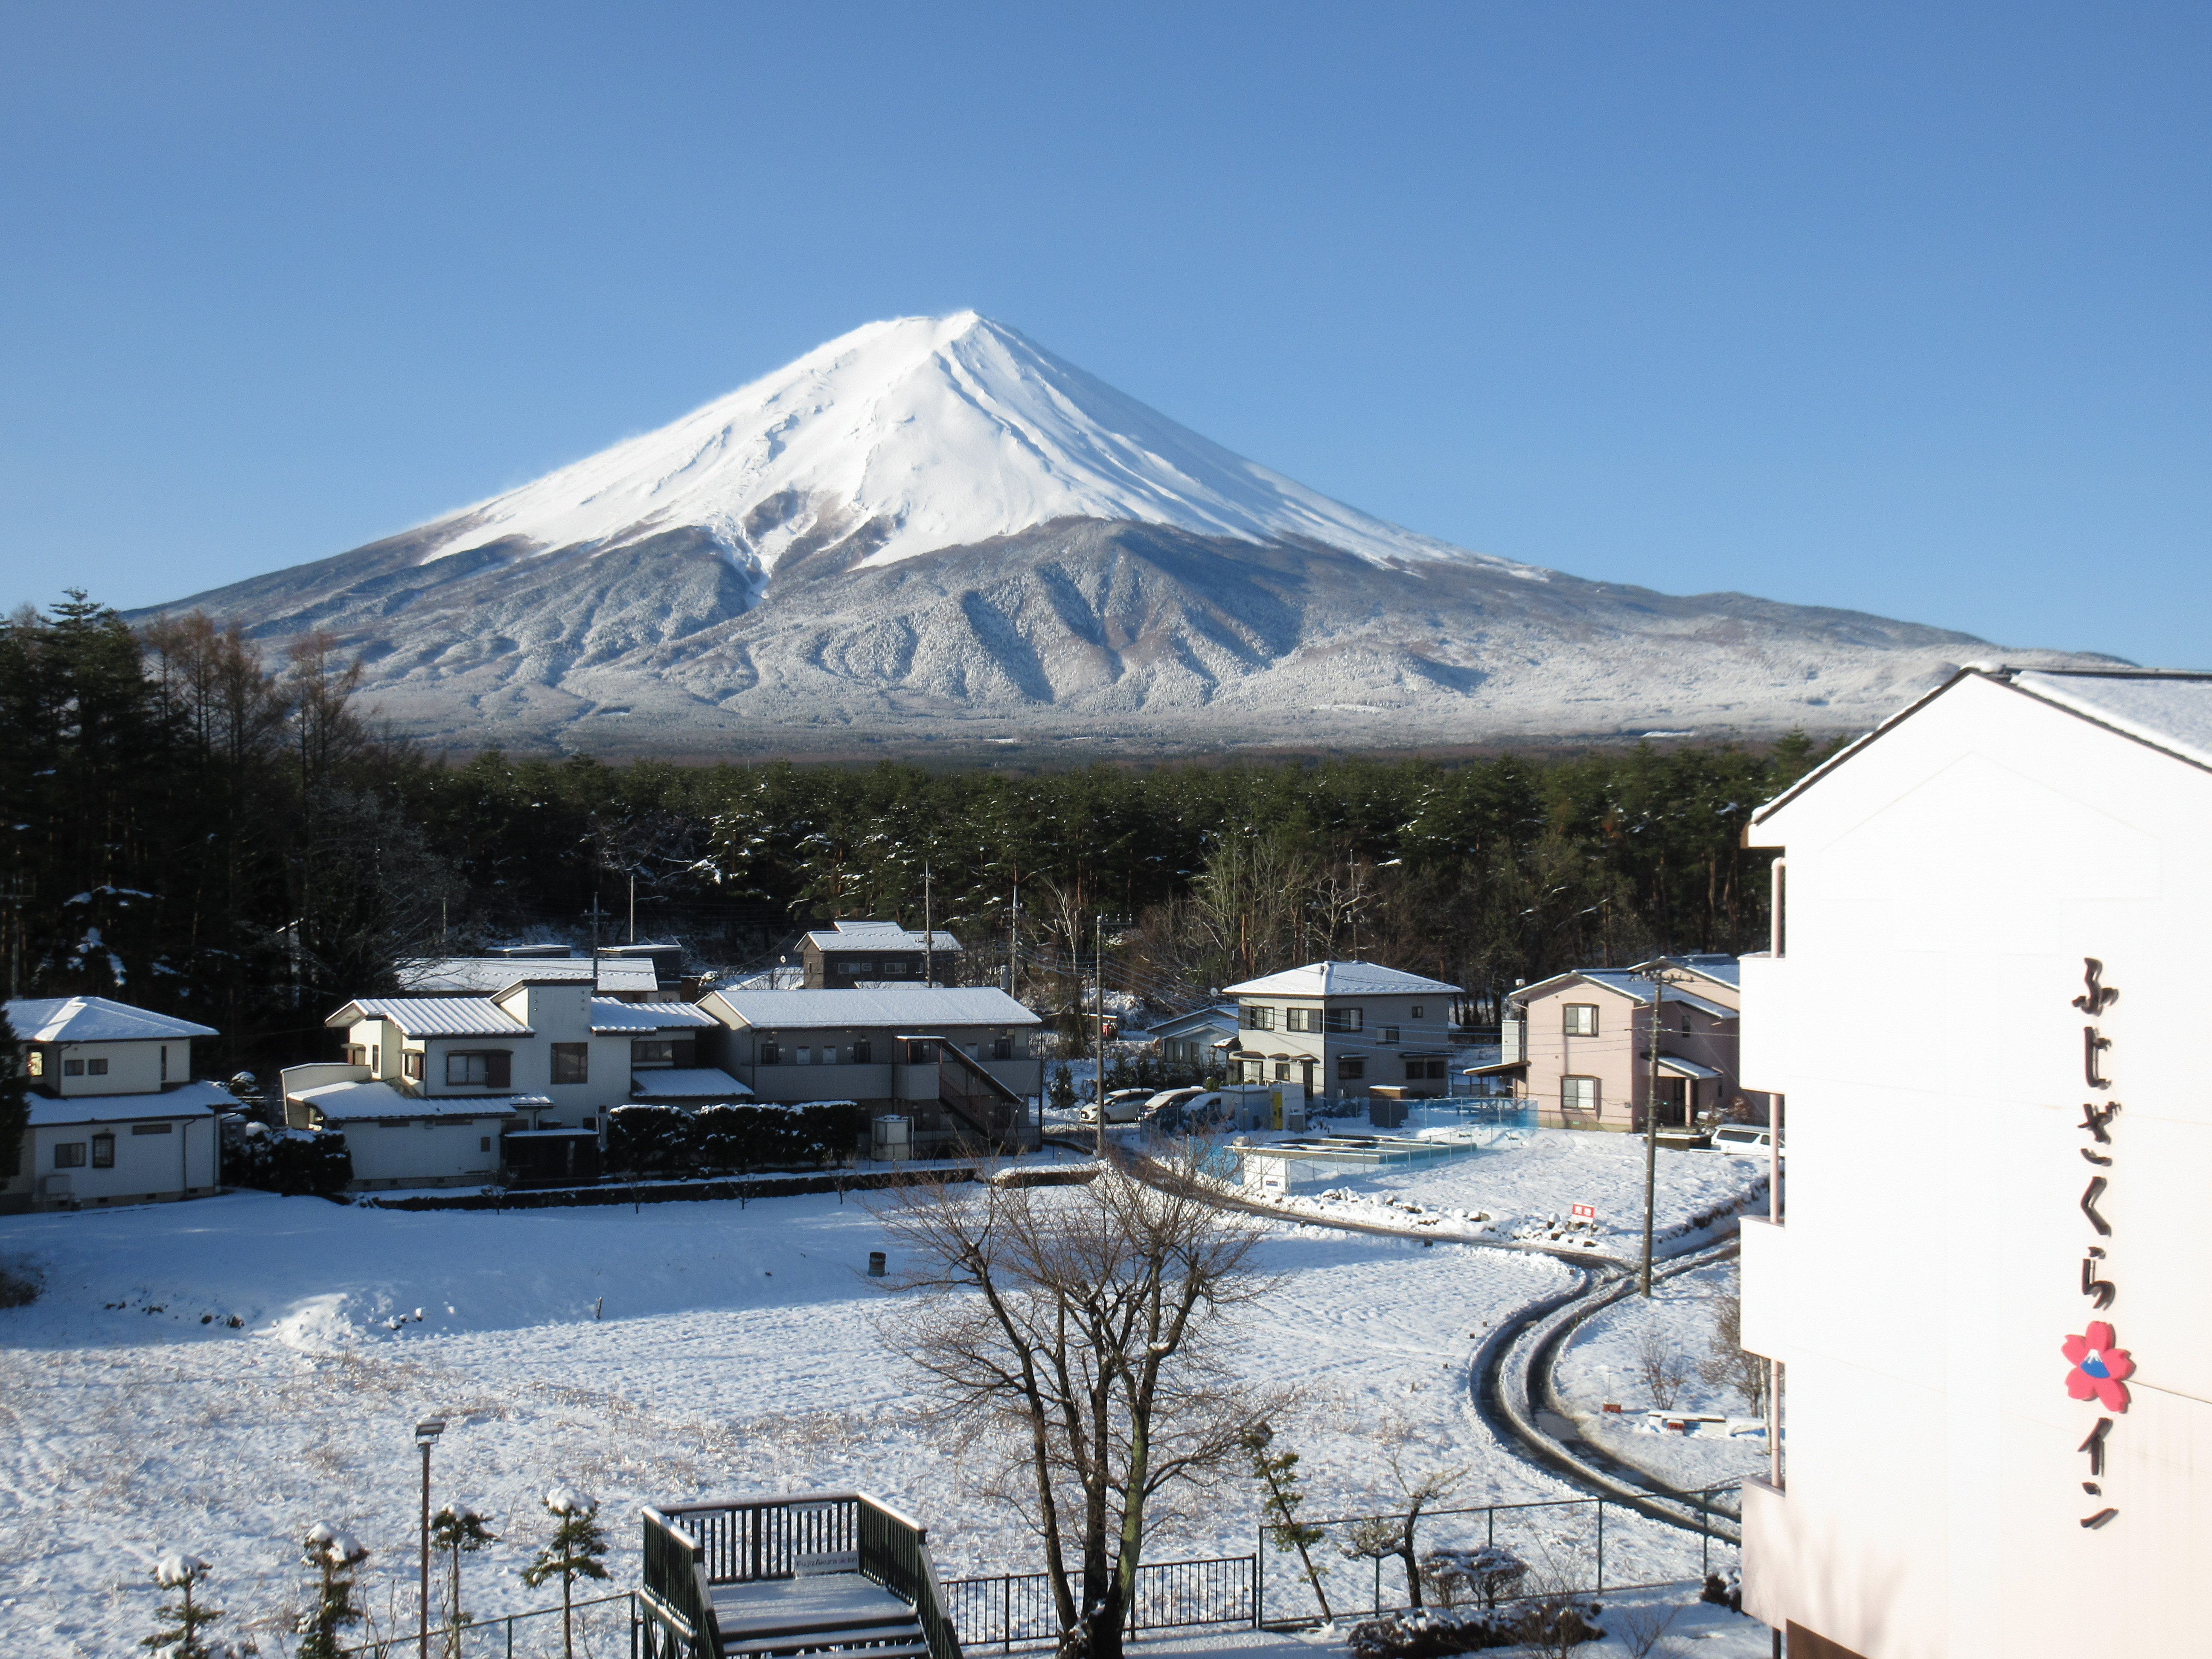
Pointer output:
x,y
933,531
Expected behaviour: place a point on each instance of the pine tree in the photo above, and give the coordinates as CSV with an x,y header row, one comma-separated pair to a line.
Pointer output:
x,y
571,1553
1278,1475
334,1555
459,1533
181,1620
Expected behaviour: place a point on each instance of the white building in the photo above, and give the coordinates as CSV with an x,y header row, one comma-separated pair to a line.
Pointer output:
x,y
1344,1028
2004,1173
115,1117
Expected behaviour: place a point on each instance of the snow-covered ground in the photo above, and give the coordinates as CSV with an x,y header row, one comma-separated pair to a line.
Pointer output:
x,y
215,1376
1603,1365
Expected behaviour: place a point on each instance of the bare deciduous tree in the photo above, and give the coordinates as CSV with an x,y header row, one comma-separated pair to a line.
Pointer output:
x,y
1727,1365
1418,1489
1085,1333
1664,1368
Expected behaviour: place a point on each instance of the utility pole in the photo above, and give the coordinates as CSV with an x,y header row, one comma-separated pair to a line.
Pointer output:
x,y
928,934
1014,942
1661,979
633,907
1098,968
595,920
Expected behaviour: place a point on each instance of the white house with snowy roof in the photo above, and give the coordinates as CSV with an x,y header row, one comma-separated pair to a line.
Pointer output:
x,y
455,1090
1344,1028
116,1117
850,953
1995,1351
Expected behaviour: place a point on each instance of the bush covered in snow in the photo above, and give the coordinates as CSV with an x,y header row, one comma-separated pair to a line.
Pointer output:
x,y
677,1141
297,1163
1545,1624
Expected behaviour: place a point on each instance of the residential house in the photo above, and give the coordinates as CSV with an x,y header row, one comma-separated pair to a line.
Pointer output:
x,y
612,973
447,1090
1984,1289
1197,1040
1578,1045
846,954
955,1062
116,1117
1343,1029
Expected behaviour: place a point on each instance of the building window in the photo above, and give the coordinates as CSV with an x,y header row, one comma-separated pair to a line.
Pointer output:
x,y
1581,1019
1299,1019
1578,1094
1417,1011
864,1051
859,969
1340,1019
802,1056
771,1054
69,1155
1351,1071
152,1128
1257,1018
38,1068
1002,1048
483,1142
411,1064
1418,1070
96,1068
651,1051
572,1062
72,1068
103,1151
1282,1071
1388,1033
489,1069
165,1062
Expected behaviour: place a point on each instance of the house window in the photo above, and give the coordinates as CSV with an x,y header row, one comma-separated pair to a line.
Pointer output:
x,y
356,1054
572,1062
103,1151
1388,1033
1420,1069
69,1155
165,1062
1351,1071
491,1068
1578,1094
1581,1019
1259,1019
1340,1019
1282,1071
864,1051
1002,1048
72,1068
1417,1011
860,968
771,1054
802,1056
651,1051
152,1128
411,1064
483,1142
96,1068
1302,1019
376,1058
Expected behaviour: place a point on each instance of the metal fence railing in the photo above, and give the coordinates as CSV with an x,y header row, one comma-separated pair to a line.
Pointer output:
x,y
602,1628
1016,1610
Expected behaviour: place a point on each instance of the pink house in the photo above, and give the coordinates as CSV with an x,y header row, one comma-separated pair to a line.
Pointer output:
x,y
1579,1045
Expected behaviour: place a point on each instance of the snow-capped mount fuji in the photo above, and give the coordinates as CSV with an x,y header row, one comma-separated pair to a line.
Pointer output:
x,y
931,530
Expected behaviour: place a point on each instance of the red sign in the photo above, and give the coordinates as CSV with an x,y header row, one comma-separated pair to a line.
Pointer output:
x,y
1585,1211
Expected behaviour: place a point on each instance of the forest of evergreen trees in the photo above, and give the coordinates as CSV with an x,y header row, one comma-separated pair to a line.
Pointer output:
x,y
193,829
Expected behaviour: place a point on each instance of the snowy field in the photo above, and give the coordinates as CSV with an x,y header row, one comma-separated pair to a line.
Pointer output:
x,y
1603,1363
216,1377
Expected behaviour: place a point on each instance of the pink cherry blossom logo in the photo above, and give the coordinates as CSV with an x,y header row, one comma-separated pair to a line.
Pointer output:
x,y
2099,1369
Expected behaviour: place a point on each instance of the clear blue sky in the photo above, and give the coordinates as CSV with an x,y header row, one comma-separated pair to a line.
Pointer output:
x,y
1896,307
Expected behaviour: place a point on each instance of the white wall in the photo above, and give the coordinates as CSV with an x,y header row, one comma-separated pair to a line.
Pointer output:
x,y
155,1165
1945,885
448,1150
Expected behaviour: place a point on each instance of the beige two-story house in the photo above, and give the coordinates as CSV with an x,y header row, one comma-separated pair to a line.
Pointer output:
x,y
116,1117
1578,1045
1342,1028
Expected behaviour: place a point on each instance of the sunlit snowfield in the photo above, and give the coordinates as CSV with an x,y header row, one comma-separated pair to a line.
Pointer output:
x,y
679,1350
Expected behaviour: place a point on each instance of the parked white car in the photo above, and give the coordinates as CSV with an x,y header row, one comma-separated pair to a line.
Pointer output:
x,y
1122,1106
1743,1139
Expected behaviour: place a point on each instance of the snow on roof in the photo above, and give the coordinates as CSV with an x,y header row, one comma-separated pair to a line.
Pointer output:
x,y
94,1019
1715,965
1675,1065
2173,712
1339,979
1628,982
345,1101
1198,1019
186,1100
431,976
610,1015
850,935
688,1083
444,1017
910,1007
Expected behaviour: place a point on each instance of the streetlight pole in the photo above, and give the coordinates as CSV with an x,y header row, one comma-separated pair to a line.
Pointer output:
x,y
1661,979
426,1435
1098,968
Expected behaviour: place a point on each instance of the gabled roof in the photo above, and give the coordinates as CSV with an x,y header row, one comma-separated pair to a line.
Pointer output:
x,y
1625,982
849,935
1339,979
1715,965
2166,709
440,1016
448,975
186,1100
908,1008
610,1015
1198,1019
94,1019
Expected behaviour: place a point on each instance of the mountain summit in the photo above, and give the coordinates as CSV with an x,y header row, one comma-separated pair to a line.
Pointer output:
x,y
933,531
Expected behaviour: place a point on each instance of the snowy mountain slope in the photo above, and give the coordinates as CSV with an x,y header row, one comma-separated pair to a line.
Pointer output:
x,y
905,436
933,531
